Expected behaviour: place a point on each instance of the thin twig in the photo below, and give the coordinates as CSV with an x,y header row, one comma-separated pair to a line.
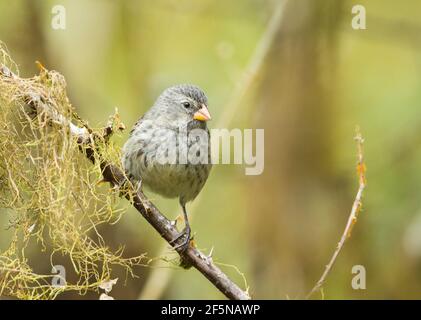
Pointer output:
x,y
352,220
88,145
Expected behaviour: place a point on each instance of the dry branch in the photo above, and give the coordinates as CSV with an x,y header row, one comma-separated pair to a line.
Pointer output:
x,y
352,219
89,142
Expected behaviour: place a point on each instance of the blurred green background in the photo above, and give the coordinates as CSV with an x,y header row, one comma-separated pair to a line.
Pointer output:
x,y
319,80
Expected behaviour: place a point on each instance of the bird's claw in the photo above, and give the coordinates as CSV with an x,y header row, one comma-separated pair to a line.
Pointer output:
x,y
186,235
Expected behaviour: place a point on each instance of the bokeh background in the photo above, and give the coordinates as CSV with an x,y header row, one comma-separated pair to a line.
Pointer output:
x,y
319,80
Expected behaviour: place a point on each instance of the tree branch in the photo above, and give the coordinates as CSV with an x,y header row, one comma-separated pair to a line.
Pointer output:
x,y
88,145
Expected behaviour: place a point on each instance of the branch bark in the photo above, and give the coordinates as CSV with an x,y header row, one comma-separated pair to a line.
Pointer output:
x,y
88,145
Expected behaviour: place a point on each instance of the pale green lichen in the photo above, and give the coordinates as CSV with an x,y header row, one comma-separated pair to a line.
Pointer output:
x,y
51,192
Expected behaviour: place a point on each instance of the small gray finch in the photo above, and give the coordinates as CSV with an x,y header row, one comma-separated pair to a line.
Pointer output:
x,y
163,154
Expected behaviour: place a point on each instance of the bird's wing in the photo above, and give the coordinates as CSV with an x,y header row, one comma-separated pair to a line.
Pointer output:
x,y
136,123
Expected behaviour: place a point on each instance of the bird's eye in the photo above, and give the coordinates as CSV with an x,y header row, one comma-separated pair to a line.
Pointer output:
x,y
186,104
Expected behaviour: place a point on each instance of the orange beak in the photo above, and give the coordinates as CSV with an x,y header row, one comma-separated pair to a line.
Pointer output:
x,y
203,114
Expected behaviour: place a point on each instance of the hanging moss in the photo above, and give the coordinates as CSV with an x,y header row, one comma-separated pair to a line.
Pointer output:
x,y
50,191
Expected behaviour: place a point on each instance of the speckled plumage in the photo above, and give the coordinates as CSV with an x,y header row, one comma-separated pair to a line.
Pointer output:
x,y
145,154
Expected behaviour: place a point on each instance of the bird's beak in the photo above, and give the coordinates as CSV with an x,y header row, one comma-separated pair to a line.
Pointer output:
x,y
203,114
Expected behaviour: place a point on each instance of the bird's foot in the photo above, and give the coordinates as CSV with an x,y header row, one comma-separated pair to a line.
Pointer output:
x,y
185,235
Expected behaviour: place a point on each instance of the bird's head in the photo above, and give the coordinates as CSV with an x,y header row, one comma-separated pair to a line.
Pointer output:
x,y
183,104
